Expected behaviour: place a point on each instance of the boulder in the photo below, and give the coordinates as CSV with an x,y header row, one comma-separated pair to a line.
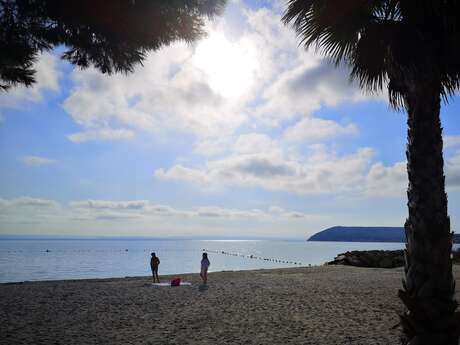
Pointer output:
x,y
378,258
370,258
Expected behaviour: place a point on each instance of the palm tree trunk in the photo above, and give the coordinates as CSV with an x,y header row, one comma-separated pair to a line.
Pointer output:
x,y
428,286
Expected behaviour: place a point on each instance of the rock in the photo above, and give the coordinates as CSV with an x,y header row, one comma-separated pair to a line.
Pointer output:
x,y
370,258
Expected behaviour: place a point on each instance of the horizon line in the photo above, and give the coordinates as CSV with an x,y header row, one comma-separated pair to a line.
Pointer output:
x,y
141,237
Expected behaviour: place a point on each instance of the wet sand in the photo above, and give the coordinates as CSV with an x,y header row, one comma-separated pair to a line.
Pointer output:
x,y
309,305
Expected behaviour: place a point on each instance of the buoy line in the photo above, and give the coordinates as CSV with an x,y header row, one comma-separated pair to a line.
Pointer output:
x,y
252,256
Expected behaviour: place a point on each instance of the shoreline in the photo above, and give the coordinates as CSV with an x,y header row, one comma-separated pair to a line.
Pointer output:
x,y
188,274
173,275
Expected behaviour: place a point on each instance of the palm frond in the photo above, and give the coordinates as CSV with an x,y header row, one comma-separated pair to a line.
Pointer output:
x,y
333,26
384,40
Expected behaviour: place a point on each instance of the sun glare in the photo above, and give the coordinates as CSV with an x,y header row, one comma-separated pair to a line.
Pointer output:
x,y
229,66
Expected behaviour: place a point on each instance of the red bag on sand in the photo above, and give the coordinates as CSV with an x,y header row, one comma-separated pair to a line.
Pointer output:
x,y
175,282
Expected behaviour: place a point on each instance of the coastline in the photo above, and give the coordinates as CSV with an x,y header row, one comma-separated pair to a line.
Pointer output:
x,y
58,260
163,277
306,305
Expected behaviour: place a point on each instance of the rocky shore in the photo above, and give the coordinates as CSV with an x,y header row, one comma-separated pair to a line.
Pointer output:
x,y
370,258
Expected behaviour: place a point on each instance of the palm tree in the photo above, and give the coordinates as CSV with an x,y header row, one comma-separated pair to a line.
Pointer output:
x,y
111,35
412,48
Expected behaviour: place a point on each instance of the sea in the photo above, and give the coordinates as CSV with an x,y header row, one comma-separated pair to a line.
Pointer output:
x,y
58,259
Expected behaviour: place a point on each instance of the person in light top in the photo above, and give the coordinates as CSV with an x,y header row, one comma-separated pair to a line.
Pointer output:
x,y
204,268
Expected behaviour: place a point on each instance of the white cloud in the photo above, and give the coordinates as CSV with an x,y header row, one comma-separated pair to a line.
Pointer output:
x,y
47,79
315,129
305,89
392,180
128,211
281,212
387,181
257,77
180,172
257,160
275,209
254,143
451,141
167,93
27,201
452,171
167,211
109,216
218,212
244,143
101,134
36,161
106,209
321,172
213,146
113,205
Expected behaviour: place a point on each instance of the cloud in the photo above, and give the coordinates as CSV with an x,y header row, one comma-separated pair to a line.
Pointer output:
x,y
254,143
47,79
452,171
305,89
281,212
167,211
315,129
169,93
179,172
27,201
321,172
384,181
213,146
256,160
244,143
36,161
49,211
218,212
258,167
116,216
212,89
451,141
113,205
392,180
101,134
276,209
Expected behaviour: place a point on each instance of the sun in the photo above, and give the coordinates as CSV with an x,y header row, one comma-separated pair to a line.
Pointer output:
x,y
229,66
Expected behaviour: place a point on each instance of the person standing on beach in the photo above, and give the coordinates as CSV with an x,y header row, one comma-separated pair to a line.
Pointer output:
x,y
154,263
204,268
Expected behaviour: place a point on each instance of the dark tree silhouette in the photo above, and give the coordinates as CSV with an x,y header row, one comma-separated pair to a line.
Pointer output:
x,y
412,48
112,35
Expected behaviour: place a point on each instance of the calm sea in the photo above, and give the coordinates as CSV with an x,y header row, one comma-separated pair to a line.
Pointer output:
x,y
28,260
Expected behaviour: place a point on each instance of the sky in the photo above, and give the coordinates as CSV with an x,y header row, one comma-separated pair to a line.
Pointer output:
x,y
241,134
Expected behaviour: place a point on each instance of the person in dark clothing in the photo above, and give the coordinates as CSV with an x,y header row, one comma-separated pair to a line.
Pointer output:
x,y
154,263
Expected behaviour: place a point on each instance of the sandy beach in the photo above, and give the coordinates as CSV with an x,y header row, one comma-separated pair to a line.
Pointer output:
x,y
309,305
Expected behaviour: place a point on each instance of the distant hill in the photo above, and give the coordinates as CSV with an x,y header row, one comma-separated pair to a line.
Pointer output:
x,y
360,234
